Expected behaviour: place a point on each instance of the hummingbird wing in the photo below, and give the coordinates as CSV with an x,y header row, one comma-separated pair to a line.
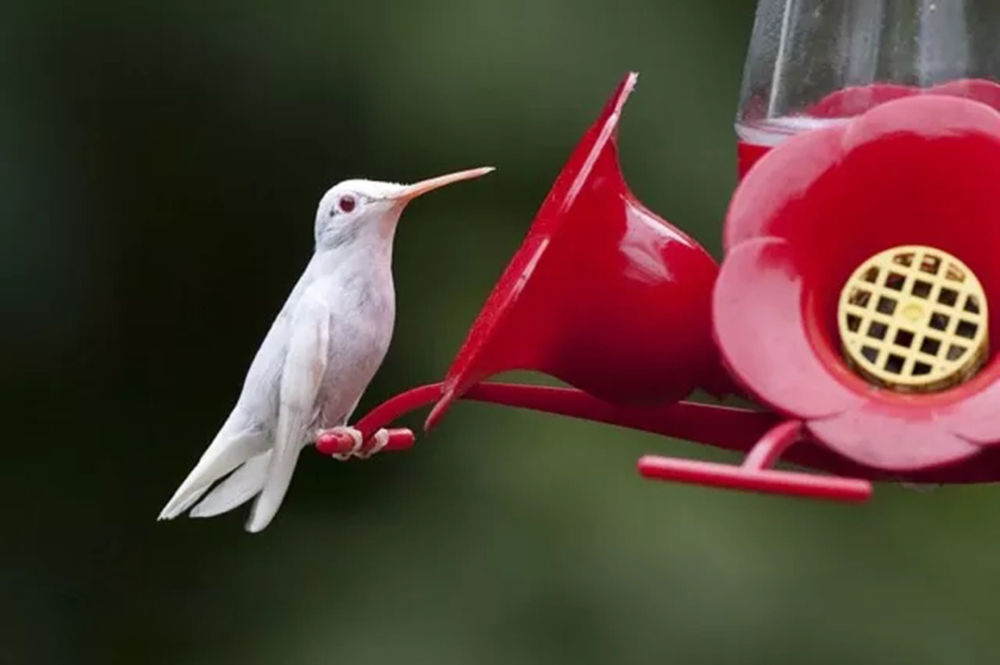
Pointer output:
x,y
302,375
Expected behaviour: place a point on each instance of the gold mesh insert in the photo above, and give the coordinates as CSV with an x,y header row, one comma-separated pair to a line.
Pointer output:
x,y
914,319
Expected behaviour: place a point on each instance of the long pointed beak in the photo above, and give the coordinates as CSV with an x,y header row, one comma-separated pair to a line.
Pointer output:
x,y
410,192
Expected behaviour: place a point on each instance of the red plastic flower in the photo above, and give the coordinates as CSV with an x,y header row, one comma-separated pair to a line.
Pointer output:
x,y
921,170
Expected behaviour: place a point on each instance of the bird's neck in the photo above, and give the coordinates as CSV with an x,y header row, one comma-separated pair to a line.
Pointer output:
x,y
368,254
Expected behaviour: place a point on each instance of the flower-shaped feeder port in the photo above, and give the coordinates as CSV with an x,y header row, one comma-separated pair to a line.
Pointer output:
x,y
902,200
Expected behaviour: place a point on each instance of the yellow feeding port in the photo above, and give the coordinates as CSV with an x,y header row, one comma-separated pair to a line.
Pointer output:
x,y
914,319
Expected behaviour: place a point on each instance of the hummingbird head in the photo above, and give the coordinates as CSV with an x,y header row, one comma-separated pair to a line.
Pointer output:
x,y
368,209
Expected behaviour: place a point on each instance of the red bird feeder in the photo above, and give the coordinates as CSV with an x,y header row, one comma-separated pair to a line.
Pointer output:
x,y
857,303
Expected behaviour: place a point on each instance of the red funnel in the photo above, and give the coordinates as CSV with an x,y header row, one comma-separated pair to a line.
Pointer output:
x,y
603,293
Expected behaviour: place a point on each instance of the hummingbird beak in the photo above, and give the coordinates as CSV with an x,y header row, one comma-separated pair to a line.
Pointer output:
x,y
410,192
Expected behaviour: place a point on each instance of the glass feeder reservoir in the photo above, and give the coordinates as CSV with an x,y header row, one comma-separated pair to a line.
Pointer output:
x,y
815,62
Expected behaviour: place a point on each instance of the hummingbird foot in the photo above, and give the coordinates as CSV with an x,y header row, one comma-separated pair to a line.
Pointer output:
x,y
352,436
345,434
379,441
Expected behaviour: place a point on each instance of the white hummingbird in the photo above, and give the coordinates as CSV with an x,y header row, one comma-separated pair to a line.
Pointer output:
x,y
321,352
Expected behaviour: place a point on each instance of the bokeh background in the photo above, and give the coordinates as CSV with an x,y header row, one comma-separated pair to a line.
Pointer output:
x,y
159,169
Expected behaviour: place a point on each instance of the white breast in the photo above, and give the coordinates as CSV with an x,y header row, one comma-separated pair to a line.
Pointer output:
x,y
362,315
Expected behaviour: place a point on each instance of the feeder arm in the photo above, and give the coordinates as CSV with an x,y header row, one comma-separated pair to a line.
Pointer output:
x,y
762,435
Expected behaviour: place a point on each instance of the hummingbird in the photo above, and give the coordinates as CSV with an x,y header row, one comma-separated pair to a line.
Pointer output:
x,y
317,359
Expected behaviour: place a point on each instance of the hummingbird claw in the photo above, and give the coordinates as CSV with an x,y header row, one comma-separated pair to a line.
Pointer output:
x,y
380,440
360,448
355,436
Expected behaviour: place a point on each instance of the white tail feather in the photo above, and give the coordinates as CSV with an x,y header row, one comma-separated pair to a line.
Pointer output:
x,y
237,489
225,454
279,477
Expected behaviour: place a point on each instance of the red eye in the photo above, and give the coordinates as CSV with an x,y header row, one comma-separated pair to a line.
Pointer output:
x,y
347,203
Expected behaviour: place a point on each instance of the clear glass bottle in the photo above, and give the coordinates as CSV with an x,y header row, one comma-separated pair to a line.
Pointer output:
x,y
815,62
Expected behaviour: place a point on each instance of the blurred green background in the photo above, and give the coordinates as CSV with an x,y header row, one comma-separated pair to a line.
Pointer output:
x,y
160,164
